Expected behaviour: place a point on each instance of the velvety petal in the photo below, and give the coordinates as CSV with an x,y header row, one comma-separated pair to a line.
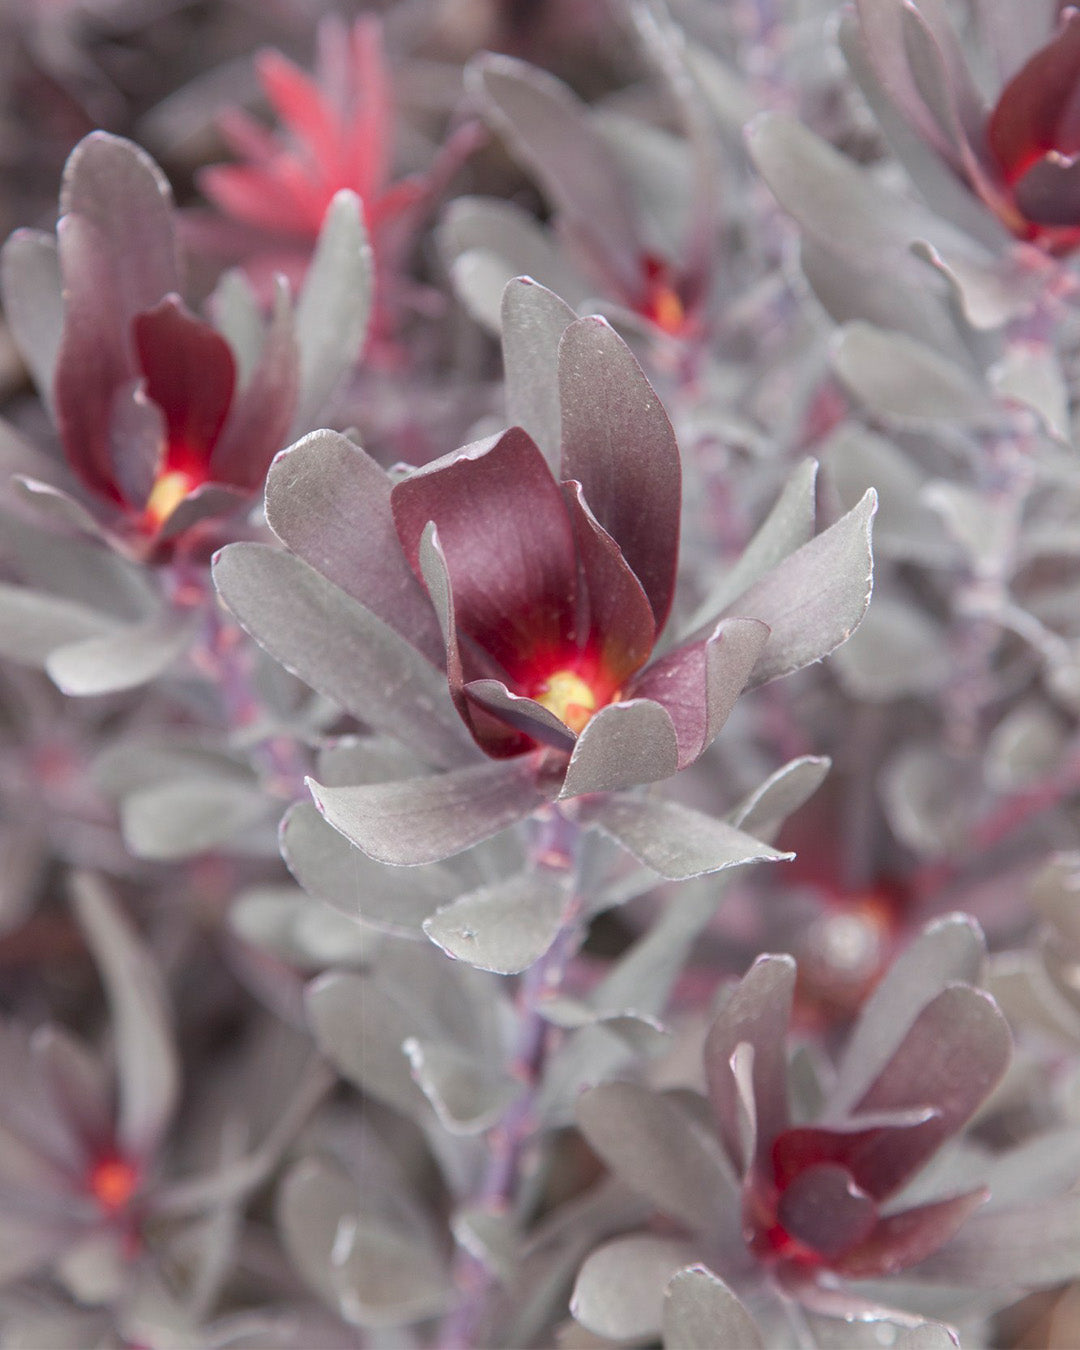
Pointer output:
x,y
700,1310
533,322
485,712
549,129
261,414
699,683
825,1209
675,840
509,549
622,746
661,1151
425,820
524,714
33,624
952,1057
951,950
901,1240
329,502
1038,109
340,648
147,1064
138,441
617,616
1049,193
856,1147
33,306
756,1014
619,445
191,375
764,810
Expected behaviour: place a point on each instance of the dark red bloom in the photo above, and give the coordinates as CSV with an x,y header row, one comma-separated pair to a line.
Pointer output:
x,y
1020,156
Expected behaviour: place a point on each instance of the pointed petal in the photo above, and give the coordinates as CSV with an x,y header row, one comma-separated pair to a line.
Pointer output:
x,y
341,649
619,445
757,1014
699,683
1030,1246
509,549
674,840
622,746
329,503
425,820
147,1066
533,321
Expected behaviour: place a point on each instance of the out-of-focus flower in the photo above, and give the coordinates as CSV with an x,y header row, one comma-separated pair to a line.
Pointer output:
x,y
804,1193
635,209
535,594
336,132
1018,156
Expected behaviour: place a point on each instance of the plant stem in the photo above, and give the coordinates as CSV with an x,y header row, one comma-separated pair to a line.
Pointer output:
x,y
555,849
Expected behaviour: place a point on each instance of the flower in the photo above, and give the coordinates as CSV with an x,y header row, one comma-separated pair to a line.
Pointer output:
x,y
1019,156
154,427
533,598
790,1202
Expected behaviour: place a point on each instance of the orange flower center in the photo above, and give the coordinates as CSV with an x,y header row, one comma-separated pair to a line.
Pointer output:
x,y
112,1183
569,697
666,309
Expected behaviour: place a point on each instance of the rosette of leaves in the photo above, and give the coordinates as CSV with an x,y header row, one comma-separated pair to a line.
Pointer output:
x,y
815,1204
166,424
502,621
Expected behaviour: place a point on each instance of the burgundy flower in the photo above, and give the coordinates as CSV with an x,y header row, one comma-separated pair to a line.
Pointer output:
x,y
515,608
154,427
792,1199
1019,156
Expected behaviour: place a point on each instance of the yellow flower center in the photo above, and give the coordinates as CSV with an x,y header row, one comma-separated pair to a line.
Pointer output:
x,y
568,696
168,492
667,310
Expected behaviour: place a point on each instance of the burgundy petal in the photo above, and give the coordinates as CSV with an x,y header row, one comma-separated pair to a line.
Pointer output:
x,y
1039,109
857,1150
757,1013
262,412
619,445
951,1059
900,1240
615,611
698,684
191,375
825,1209
1049,193
509,548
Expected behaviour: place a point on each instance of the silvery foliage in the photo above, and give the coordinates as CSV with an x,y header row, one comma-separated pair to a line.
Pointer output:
x,y
408,661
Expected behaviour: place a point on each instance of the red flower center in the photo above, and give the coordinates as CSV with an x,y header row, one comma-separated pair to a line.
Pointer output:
x,y
113,1182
